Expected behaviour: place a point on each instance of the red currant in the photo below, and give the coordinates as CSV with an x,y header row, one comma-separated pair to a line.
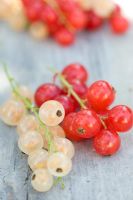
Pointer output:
x,y
67,103
49,15
94,21
75,71
120,118
86,124
119,24
68,127
78,87
45,92
107,142
77,18
67,6
33,11
100,95
64,36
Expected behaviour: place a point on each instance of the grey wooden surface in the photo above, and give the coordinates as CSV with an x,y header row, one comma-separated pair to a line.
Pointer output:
x,y
93,177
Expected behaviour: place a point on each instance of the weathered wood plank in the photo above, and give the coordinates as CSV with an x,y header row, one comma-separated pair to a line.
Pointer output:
x,y
93,177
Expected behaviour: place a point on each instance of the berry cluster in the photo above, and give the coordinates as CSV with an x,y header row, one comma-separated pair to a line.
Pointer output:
x,y
62,19
40,136
74,110
87,109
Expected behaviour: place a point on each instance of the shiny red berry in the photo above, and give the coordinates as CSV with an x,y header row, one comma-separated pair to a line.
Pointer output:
x,y
78,87
100,95
107,143
77,18
120,118
33,11
119,24
93,21
67,103
45,92
68,127
64,37
75,71
86,124
49,15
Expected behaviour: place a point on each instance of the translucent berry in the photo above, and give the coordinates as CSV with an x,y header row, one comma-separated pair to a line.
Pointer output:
x,y
103,8
55,131
52,113
38,159
107,142
59,164
42,180
12,112
30,142
38,30
26,124
100,95
45,92
120,118
86,124
75,71
65,146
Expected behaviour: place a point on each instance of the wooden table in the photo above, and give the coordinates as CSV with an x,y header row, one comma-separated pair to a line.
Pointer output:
x,y
93,177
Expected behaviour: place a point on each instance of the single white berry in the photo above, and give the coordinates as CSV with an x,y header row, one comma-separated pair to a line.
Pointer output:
x,y
42,180
30,142
57,131
25,92
26,124
38,159
59,164
38,30
51,113
12,112
103,8
65,146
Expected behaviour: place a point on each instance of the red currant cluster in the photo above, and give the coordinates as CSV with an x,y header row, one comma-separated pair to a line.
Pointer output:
x,y
87,109
62,19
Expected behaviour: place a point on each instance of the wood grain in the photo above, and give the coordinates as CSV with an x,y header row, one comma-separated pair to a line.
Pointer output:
x,y
93,177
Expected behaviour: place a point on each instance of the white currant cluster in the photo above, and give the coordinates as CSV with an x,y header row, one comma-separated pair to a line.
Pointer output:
x,y
40,136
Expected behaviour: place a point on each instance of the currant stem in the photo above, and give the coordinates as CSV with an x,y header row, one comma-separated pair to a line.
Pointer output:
x,y
30,107
71,91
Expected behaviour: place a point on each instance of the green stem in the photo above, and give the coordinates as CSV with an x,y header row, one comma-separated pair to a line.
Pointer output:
x,y
71,91
30,107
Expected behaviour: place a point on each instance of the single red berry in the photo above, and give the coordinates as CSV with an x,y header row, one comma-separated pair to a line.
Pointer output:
x,y
77,18
78,87
120,118
49,15
33,11
100,95
86,124
67,103
68,127
93,21
107,142
116,11
64,37
45,92
119,24
67,6
75,71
